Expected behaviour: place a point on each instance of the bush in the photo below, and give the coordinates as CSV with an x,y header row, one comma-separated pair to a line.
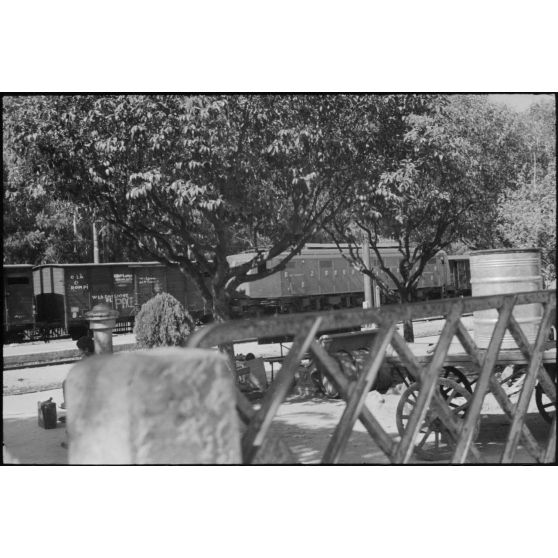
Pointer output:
x,y
162,322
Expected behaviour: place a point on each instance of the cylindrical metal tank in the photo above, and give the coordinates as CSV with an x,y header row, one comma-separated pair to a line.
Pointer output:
x,y
500,272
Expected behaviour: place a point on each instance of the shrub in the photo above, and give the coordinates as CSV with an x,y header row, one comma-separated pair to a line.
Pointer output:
x,y
162,322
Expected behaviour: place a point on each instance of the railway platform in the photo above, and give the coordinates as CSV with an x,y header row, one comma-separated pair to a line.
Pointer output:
x,y
59,350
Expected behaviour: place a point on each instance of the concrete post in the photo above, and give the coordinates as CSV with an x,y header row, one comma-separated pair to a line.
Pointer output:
x,y
162,406
102,319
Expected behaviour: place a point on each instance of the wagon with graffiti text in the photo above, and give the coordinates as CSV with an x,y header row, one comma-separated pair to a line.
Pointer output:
x,y
65,292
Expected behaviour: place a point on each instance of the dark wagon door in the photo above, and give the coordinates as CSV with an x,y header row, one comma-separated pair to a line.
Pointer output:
x,y
18,300
102,286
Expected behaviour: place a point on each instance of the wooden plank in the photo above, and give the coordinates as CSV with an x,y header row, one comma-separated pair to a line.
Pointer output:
x,y
438,403
528,387
246,412
292,325
505,358
497,391
520,338
550,452
359,393
481,387
429,382
373,427
244,407
260,423
298,325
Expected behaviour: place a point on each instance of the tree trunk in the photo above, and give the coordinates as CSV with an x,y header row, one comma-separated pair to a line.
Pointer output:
x,y
408,333
221,313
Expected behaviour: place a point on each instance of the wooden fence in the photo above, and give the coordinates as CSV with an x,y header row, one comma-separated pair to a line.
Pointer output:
x,y
458,430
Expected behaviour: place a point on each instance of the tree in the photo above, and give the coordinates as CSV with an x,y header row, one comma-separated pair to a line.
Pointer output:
x,y
191,179
40,225
527,214
433,180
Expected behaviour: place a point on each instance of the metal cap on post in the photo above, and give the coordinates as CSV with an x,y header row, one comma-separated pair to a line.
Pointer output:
x,y
102,319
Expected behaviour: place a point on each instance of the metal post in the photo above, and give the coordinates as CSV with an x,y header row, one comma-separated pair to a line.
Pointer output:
x,y
102,319
377,303
95,244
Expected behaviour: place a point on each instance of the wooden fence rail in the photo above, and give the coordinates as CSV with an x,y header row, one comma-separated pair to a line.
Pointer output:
x,y
431,406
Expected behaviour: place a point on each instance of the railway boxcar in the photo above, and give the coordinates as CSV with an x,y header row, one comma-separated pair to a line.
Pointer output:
x,y
19,307
313,280
320,278
65,292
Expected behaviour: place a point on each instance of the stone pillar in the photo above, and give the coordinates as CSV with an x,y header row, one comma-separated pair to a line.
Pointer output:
x,y
102,319
163,406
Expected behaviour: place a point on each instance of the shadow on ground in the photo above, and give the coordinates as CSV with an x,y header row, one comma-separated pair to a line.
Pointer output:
x,y
308,432
30,444
309,443
494,430
307,424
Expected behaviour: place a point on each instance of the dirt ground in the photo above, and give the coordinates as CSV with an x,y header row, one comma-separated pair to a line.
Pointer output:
x,y
306,424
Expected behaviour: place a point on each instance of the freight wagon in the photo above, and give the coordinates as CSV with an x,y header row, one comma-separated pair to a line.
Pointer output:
x,y
51,300
65,292
19,307
320,278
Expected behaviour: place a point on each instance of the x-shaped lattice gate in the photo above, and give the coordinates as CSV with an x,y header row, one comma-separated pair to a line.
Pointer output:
x,y
304,329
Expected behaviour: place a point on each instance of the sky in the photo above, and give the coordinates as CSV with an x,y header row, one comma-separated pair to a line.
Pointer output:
x,y
518,101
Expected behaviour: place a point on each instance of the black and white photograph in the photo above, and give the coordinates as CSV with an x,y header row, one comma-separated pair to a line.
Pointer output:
x,y
278,279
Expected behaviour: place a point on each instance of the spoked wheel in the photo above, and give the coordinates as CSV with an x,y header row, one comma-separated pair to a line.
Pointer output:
x,y
433,441
546,407
452,373
404,375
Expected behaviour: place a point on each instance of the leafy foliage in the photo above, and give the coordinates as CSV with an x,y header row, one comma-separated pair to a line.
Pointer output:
x,y
190,180
527,214
434,179
162,322
193,179
41,225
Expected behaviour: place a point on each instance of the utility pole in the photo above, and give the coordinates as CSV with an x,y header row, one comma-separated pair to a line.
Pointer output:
x,y
75,232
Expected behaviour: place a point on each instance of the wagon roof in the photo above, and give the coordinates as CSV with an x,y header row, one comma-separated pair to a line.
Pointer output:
x,y
106,264
314,248
17,266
